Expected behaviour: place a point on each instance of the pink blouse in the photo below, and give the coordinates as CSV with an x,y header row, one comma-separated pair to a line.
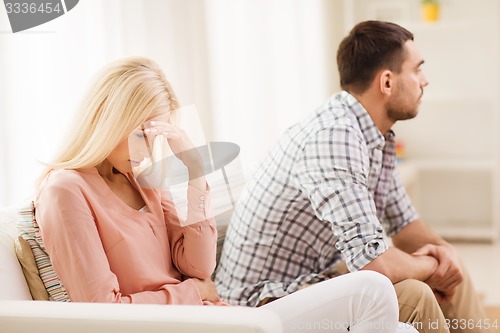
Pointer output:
x,y
105,251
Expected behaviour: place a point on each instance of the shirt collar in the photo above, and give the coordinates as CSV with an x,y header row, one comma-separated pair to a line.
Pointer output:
x,y
373,136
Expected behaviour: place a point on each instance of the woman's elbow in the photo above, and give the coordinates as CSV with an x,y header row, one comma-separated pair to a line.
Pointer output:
x,y
205,271
202,270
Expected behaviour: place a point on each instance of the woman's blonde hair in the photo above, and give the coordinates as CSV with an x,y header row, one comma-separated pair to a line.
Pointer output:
x,y
126,94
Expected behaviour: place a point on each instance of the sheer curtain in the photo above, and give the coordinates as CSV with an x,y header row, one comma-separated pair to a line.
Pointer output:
x,y
252,67
272,63
46,70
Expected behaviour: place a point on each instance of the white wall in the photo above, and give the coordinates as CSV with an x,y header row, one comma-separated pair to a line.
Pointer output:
x,y
46,70
251,67
271,65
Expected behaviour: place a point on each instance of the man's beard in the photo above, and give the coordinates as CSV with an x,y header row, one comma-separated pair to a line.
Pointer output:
x,y
400,109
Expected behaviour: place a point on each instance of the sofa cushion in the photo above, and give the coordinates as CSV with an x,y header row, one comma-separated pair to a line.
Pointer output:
x,y
30,270
29,230
12,283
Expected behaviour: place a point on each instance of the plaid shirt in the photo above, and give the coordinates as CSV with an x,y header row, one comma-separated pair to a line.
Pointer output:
x,y
334,171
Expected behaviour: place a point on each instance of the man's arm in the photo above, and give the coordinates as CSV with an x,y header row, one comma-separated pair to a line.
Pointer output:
x,y
423,255
398,265
419,240
414,236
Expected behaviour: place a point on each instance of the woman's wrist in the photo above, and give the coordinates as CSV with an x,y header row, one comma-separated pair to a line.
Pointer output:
x,y
200,286
199,183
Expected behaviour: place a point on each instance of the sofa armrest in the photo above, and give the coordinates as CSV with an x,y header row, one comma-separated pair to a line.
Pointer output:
x,y
56,317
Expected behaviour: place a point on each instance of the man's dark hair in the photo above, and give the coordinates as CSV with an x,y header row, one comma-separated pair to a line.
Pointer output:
x,y
369,47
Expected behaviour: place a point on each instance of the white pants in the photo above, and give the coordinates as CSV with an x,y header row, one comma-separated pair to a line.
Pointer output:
x,y
359,302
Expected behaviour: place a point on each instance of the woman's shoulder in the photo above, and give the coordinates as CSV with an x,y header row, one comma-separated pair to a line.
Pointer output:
x,y
66,181
66,177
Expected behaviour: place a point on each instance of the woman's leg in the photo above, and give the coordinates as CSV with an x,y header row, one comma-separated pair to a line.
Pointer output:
x,y
364,301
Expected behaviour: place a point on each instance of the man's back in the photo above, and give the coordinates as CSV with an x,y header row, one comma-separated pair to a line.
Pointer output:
x,y
280,236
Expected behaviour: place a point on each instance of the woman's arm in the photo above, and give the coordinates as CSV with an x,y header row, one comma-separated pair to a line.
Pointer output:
x,y
73,243
193,243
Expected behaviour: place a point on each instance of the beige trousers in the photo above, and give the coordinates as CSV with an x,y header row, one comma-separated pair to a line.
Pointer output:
x,y
418,305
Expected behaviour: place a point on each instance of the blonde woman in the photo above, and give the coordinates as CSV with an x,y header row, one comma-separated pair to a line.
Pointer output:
x,y
112,240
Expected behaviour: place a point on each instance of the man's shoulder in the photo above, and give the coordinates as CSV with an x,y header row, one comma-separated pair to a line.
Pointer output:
x,y
334,113
332,116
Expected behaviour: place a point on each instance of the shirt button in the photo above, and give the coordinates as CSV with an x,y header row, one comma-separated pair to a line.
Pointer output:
x,y
202,198
202,206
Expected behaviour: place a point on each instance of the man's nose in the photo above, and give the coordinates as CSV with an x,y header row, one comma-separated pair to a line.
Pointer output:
x,y
424,82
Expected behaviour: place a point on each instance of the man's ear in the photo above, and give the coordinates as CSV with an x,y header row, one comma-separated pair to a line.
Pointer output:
x,y
386,82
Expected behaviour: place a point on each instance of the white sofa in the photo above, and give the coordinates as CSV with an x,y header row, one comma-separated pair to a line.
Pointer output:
x,y
20,314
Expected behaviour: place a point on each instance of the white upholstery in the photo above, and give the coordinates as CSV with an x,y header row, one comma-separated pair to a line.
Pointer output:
x,y
19,314
54,317
12,283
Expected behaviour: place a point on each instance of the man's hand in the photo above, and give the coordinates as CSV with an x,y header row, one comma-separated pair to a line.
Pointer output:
x,y
447,275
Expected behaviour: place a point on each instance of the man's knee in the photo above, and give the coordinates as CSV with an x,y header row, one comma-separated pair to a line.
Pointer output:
x,y
418,305
414,292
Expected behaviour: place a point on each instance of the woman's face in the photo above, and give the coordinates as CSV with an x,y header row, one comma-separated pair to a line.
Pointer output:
x,y
132,151
121,157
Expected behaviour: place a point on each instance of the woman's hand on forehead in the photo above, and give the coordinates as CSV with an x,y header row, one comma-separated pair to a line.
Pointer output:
x,y
155,127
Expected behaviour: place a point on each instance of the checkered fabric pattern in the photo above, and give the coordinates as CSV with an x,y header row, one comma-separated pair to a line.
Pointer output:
x,y
319,197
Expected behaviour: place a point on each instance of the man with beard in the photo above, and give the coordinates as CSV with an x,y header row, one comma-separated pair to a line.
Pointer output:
x,y
329,190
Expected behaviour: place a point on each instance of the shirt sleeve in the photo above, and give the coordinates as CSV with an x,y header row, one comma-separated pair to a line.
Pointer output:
x,y
193,242
399,211
73,243
332,172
